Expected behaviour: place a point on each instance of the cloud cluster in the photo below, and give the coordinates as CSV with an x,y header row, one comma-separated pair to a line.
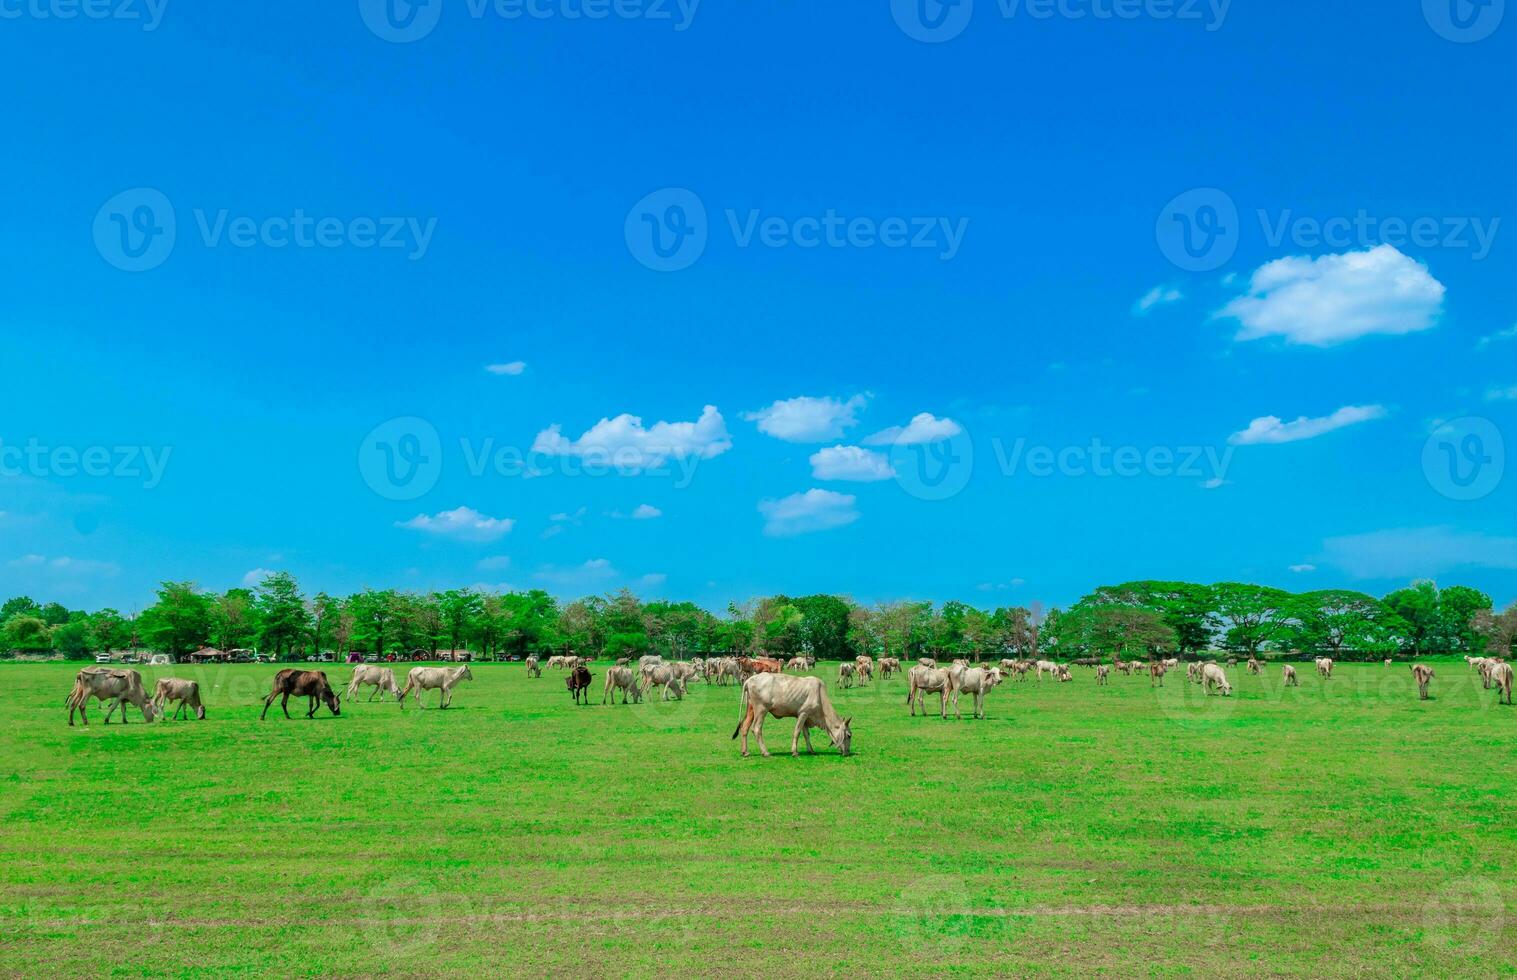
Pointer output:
x,y
462,523
850,463
1333,299
1271,429
803,513
807,419
626,443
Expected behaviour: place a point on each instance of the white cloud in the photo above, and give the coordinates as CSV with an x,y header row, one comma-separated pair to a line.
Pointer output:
x,y
803,513
1015,583
850,463
63,565
255,577
1337,298
652,580
1270,429
1303,568
1498,394
1158,296
646,512
593,571
512,368
625,443
464,523
1419,552
923,427
1510,333
807,419
493,563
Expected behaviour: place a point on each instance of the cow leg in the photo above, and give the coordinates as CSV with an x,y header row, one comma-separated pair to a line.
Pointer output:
x,y
284,704
806,734
266,702
758,734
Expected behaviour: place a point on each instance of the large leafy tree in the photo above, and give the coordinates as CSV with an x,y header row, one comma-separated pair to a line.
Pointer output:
x,y
179,622
1189,609
233,619
1252,616
1339,621
283,622
24,631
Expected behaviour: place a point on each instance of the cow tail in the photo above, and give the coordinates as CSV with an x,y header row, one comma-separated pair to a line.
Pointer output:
x,y
747,713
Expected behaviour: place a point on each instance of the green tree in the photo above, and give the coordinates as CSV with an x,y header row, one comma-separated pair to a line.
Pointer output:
x,y
1252,616
25,632
73,638
283,623
179,622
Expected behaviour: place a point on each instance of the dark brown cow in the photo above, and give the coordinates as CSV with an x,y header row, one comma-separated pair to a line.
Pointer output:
x,y
307,683
578,683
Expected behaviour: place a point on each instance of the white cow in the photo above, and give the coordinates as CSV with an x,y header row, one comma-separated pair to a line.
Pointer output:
x,y
801,698
977,681
846,672
1046,666
369,675
924,679
1501,676
1214,677
1324,667
115,685
443,679
621,678
1424,677
534,668
1289,674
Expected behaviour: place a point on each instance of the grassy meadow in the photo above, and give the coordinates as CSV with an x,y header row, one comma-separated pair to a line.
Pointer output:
x,y
1340,828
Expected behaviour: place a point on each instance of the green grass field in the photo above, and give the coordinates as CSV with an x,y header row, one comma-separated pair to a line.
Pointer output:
x,y
1339,828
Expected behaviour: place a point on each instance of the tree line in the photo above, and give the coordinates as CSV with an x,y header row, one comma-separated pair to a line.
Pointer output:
x,y
1131,620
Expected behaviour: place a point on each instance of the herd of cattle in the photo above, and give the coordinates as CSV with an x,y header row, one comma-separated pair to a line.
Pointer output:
x,y
767,690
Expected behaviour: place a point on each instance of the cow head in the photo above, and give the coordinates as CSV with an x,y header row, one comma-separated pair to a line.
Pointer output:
x,y
333,702
842,736
467,675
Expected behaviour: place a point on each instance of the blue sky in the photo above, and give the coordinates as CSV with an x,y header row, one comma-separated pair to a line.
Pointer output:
x,y
1314,386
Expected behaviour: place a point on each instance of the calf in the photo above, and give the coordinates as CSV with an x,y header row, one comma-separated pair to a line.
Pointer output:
x,y
187,693
1424,675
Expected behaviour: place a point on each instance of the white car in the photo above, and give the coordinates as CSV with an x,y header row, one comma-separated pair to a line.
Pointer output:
x,y
102,658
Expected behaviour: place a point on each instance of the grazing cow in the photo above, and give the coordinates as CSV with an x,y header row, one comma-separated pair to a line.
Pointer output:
x,y
560,662
748,666
1424,675
1324,667
977,681
302,683
1193,672
1103,674
117,686
1156,671
675,687
801,698
865,671
927,662
187,693
846,672
621,678
1289,674
924,679
534,669
1046,666
1254,666
1501,676
1387,661
578,683
888,666
1213,678
666,676
1064,676
797,663
370,675
443,679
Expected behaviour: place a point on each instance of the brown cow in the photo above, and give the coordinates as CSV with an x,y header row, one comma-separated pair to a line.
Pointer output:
x,y
115,686
578,683
302,683
187,693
